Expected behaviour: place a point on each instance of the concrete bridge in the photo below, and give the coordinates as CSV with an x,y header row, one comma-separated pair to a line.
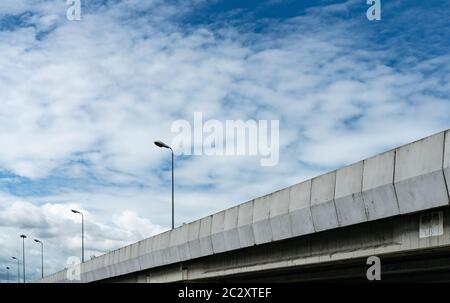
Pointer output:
x,y
393,205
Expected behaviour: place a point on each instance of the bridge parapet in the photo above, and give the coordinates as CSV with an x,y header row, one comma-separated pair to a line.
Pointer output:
x,y
408,179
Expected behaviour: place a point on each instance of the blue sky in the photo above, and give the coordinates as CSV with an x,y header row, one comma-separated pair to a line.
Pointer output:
x,y
82,102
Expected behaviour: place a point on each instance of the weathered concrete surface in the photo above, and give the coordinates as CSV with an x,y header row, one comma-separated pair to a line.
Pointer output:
x,y
348,195
217,235
447,160
378,190
419,178
245,221
261,225
144,256
193,239
323,209
205,236
230,230
160,247
405,180
279,214
299,209
174,242
178,246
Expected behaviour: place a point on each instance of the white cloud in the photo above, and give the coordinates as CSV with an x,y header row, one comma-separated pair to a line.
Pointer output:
x,y
59,229
141,227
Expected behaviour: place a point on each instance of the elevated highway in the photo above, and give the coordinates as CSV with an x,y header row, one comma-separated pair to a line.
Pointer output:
x,y
393,205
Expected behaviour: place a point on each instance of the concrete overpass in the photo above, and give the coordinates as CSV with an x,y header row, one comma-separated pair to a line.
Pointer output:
x,y
393,205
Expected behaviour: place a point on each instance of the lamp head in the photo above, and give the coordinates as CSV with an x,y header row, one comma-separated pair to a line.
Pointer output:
x,y
162,144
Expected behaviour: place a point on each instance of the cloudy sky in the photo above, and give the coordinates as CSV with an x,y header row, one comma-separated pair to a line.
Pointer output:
x,y
81,103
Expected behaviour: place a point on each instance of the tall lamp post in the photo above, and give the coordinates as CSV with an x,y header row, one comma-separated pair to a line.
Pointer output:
x,y
82,233
42,256
18,269
163,145
7,274
23,255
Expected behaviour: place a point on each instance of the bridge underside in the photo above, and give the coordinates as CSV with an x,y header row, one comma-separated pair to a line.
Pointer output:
x,y
334,255
424,266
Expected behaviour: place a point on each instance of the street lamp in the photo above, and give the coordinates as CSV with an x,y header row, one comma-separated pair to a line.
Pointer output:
x,y
42,256
82,233
23,254
18,269
163,145
7,274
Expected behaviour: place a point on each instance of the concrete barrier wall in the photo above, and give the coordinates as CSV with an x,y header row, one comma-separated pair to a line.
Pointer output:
x,y
348,195
205,236
144,257
378,190
419,178
280,222
300,209
447,160
244,226
261,224
230,229
194,239
217,235
174,242
323,209
160,248
411,178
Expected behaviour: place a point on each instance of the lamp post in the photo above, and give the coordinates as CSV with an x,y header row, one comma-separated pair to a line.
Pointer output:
x,y
42,256
7,274
18,269
82,233
163,145
23,255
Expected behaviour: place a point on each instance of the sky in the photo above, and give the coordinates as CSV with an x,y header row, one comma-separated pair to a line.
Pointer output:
x,y
81,103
